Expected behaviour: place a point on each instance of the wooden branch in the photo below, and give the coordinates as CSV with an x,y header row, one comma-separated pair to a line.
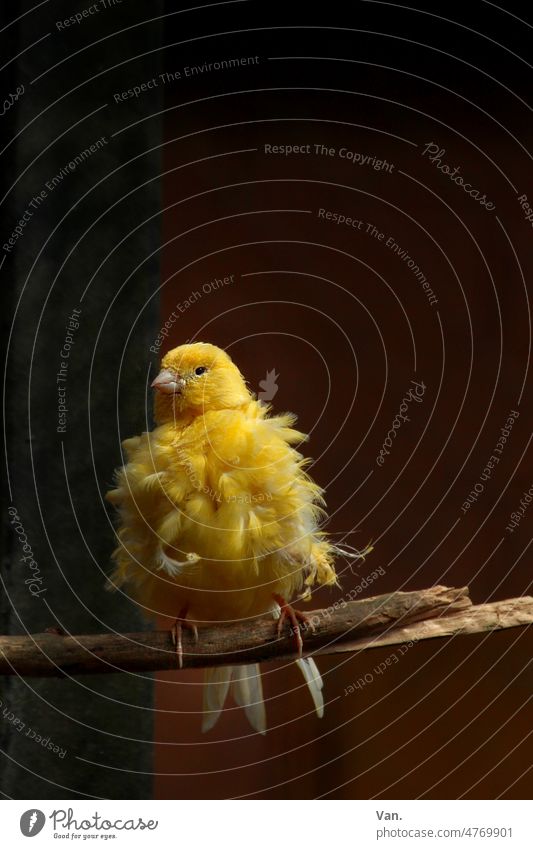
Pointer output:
x,y
344,627
477,619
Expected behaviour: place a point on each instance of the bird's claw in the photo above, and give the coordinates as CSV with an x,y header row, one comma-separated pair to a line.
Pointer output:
x,y
177,631
296,618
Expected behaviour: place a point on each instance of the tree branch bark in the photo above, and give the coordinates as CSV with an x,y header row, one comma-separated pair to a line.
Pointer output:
x,y
343,627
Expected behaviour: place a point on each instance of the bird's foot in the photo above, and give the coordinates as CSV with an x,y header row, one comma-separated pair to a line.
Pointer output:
x,y
177,631
296,618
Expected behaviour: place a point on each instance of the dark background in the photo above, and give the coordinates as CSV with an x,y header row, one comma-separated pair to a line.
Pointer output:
x,y
339,317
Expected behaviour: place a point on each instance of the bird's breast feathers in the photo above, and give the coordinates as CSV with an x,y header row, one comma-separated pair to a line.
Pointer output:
x,y
222,505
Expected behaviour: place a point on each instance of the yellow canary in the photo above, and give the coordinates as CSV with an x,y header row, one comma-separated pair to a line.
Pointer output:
x,y
219,520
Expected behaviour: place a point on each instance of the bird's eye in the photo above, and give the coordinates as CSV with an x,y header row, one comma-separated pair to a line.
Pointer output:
x,y
200,370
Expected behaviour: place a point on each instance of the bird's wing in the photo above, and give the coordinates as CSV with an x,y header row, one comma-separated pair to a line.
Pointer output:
x,y
149,494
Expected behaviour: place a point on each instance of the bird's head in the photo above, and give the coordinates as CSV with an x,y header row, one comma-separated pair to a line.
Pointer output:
x,y
197,378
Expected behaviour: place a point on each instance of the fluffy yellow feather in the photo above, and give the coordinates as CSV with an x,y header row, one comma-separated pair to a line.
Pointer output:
x,y
218,517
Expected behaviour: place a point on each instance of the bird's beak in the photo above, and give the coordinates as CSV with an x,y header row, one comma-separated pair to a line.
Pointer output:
x,y
168,382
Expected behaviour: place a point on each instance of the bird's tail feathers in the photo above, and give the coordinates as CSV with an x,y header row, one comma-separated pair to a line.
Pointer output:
x,y
247,691
216,686
314,681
